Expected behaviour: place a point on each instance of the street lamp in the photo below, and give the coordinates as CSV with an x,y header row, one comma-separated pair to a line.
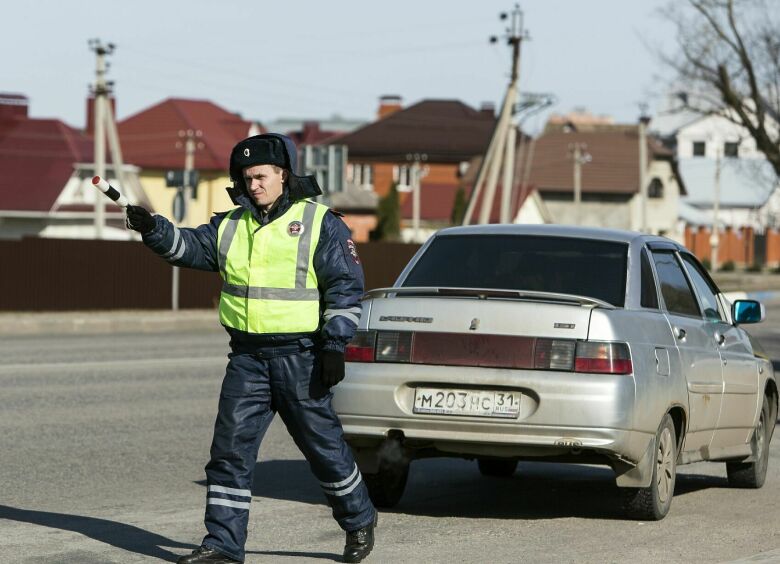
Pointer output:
x,y
416,174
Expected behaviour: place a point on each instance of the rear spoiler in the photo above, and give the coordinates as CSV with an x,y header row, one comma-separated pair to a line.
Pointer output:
x,y
485,293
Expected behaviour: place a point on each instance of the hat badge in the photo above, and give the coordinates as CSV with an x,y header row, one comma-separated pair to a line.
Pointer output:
x,y
246,152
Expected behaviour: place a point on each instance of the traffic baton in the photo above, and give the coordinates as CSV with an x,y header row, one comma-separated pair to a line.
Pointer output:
x,y
102,185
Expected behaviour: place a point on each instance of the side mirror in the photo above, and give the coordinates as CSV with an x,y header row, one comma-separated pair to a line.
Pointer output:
x,y
747,311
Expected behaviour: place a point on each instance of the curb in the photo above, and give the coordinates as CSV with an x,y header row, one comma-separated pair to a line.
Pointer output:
x,y
108,322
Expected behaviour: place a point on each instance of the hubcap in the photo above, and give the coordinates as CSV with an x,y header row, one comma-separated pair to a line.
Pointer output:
x,y
665,466
760,438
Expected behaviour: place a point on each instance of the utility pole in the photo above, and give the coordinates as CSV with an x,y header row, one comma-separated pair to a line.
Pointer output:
x,y
514,39
190,137
104,124
184,195
100,91
644,119
715,236
580,158
416,173
509,174
502,143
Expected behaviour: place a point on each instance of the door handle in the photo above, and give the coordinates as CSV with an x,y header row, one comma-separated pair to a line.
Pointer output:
x,y
679,333
720,338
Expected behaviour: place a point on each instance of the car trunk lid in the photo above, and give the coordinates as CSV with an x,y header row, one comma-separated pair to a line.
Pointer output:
x,y
481,312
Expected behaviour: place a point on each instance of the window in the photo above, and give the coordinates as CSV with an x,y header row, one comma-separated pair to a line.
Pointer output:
x,y
731,149
677,293
360,174
649,294
368,176
402,175
699,148
656,188
564,265
704,287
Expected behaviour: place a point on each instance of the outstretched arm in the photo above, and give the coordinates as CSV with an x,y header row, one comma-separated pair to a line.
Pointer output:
x,y
188,247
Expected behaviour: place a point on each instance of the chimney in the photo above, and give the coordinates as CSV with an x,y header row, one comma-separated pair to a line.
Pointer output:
x,y
13,106
388,104
90,129
310,132
488,109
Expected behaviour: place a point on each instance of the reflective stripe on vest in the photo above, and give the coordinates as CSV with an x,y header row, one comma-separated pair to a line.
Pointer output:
x,y
269,284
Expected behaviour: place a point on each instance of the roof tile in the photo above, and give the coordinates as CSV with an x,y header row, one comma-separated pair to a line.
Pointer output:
x,y
37,158
149,138
445,130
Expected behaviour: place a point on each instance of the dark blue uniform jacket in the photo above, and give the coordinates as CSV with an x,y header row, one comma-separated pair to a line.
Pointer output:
x,y
339,274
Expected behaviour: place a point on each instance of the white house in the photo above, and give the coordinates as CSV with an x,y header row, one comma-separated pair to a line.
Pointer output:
x,y
713,147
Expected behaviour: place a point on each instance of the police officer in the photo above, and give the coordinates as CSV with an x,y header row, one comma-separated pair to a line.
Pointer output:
x,y
290,301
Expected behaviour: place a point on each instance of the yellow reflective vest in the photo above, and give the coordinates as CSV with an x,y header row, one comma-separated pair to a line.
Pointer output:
x,y
268,279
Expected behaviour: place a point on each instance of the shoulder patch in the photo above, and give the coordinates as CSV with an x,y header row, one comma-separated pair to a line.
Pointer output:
x,y
336,213
352,251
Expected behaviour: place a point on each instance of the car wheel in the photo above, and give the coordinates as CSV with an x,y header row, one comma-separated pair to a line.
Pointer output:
x,y
653,502
387,486
753,474
497,467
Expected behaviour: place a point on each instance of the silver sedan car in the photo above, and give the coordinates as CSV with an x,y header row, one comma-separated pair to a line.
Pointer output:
x,y
504,343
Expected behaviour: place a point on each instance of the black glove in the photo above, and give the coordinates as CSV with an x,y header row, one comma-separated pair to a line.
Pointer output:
x,y
138,219
331,367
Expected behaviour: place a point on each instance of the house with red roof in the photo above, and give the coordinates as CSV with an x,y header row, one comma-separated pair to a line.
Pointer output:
x,y
45,172
154,140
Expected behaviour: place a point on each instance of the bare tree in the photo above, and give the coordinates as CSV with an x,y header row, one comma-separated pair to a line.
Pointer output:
x,y
728,60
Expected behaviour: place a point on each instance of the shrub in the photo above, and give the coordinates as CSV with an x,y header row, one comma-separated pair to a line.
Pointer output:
x,y
388,217
706,263
459,207
728,266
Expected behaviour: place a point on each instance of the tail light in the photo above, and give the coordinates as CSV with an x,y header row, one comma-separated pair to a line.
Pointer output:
x,y
394,346
603,358
554,354
361,347
496,351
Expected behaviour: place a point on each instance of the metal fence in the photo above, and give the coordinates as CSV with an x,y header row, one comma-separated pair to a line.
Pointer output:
x,y
66,275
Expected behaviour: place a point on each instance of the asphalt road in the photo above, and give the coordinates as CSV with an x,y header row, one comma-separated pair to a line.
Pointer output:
x,y
103,442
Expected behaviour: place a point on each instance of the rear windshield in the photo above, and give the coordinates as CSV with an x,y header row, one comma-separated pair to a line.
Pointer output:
x,y
565,265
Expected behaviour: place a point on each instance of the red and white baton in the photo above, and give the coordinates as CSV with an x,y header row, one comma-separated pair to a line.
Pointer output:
x,y
102,185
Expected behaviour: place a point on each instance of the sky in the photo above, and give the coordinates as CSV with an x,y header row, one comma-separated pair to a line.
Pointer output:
x,y
313,59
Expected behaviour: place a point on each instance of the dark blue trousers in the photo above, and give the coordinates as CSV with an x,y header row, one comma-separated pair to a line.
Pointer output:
x,y
256,385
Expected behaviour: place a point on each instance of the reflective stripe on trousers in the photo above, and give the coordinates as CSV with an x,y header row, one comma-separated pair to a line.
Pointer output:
x,y
292,382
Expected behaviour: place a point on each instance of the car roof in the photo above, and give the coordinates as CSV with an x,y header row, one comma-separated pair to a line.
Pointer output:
x,y
554,230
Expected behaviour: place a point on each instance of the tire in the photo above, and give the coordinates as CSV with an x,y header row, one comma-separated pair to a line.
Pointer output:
x,y
653,502
497,467
753,474
386,487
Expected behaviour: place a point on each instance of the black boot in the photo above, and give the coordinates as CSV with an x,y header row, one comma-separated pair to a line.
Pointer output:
x,y
203,555
360,542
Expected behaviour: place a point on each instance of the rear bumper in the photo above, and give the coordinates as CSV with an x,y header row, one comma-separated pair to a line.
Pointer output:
x,y
511,441
560,412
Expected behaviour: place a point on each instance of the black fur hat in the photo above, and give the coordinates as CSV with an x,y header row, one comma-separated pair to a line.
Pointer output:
x,y
273,149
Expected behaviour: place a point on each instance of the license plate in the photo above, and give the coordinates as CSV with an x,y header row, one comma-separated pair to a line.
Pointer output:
x,y
477,403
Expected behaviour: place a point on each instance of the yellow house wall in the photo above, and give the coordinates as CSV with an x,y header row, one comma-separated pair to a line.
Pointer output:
x,y
212,196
